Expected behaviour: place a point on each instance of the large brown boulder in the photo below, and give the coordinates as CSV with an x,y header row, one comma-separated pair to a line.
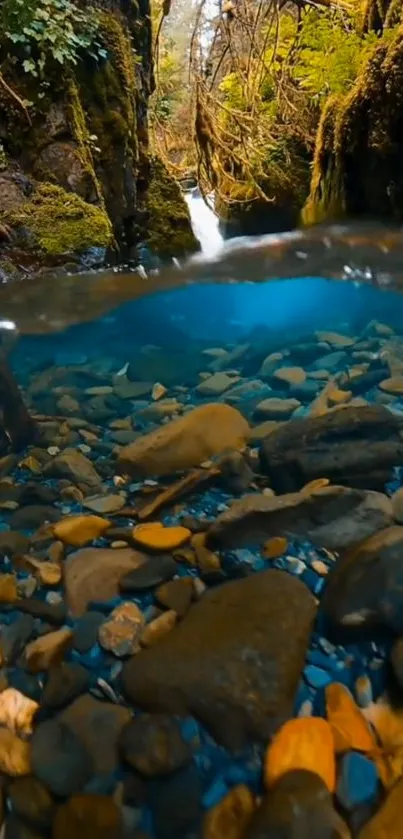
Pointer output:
x,y
333,517
185,442
234,661
365,585
357,447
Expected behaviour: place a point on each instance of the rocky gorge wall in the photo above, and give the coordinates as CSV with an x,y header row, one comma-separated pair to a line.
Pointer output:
x,y
75,168
357,169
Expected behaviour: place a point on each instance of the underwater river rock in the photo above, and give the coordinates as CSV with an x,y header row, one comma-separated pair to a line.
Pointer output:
x,y
180,618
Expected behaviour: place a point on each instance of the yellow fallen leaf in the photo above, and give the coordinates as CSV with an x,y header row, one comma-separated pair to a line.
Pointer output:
x,y
302,743
349,726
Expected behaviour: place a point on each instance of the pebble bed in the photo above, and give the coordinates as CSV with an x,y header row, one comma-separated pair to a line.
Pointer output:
x,y
361,667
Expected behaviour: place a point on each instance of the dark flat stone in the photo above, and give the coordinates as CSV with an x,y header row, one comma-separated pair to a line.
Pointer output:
x,y
156,570
176,595
53,613
28,518
14,637
153,745
65,683
86,631
32,801
59,758
176,804
299,806
356,447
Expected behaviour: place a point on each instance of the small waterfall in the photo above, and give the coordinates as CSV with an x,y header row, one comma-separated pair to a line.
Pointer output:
x,y
205,223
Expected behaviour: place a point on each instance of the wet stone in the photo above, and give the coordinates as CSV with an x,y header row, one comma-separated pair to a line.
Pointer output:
x,y
53,613
97,725
65,683
28,518
14,637
47,650
15,828
176,595
8,588
299,806
59,759
75,466
158,628
176,804
230,817
396,659
12,543
120,634
206,665
86,631
15,755
152,744
87,816
152,573
32,802
94,574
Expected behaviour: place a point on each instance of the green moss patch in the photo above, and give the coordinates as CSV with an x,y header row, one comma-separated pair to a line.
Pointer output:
x,y
61,222
169,231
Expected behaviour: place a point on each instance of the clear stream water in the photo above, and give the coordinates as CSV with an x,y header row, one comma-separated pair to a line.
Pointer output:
x,y
87,352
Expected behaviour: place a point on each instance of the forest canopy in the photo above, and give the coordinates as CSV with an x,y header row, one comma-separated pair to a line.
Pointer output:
x,y
247,80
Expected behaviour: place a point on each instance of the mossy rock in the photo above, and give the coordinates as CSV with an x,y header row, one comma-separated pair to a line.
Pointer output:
x,y
358,171
168,229
284,180
57,222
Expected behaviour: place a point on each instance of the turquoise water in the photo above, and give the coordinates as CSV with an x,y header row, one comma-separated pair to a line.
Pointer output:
x,y
104,360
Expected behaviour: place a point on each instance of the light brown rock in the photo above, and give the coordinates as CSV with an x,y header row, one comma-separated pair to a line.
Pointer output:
x,y
94,574
48,573
229,818
8,588
188,441
259,432
120,634
47,650
14,754
290,375
393,385
217,384
104,504
79,530
158,628
159,410
75,466
276,409
335,339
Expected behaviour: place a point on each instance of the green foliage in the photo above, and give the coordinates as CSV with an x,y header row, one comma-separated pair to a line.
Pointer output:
x,y
61,222
47,31
330,54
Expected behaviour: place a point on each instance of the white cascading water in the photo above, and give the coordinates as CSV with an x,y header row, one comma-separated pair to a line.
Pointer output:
x,y
205,223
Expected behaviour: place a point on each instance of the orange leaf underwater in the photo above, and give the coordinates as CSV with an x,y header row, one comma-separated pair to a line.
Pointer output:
x,y
302,743
349,726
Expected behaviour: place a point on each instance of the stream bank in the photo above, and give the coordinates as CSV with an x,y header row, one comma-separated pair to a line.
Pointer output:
x,y
77,181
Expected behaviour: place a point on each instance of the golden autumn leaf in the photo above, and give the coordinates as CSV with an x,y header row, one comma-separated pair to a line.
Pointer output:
x,y
302,743
349,726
